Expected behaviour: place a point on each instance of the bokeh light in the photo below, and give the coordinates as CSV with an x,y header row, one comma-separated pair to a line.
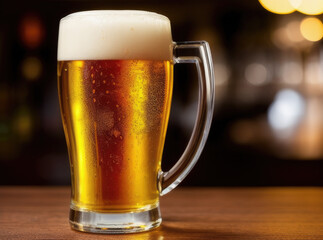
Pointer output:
x,y
23,123
243,131
292,72
310,7
222,73
313,73
280,39
293,32
312,29
256,74
31,68
32,31
278,6
286,111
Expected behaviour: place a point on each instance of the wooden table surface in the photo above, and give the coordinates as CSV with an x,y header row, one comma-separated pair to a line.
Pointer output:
x,y
188,213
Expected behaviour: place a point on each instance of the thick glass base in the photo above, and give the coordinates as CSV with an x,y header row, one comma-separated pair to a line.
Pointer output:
x,y
114,223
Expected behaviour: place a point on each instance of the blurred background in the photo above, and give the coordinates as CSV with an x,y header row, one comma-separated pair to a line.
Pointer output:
x,y
268,61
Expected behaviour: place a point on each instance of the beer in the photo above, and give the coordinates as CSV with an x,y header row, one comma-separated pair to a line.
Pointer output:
x,y
114,115
115,103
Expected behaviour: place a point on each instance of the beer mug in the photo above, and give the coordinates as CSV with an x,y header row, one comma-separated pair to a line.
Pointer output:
x,y
115,80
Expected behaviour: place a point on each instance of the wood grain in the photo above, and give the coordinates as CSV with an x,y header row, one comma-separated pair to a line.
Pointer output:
x,y
188,213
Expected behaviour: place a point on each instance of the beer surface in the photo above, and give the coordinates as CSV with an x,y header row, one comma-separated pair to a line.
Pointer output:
x,y
115,114
94,35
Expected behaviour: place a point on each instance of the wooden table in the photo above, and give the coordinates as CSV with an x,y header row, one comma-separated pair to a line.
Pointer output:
x,y
188,213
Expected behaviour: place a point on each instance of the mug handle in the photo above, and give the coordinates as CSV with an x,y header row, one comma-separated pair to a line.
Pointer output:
x,y
197,52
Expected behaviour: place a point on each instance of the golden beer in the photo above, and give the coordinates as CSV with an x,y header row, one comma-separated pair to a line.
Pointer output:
x,y
115,114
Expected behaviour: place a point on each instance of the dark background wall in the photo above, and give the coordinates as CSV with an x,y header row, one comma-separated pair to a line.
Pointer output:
x,y
244,147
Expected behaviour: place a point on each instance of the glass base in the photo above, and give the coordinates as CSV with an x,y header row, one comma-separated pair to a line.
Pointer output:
x,y
114,223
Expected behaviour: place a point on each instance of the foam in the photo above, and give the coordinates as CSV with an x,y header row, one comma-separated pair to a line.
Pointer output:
x,y
94,35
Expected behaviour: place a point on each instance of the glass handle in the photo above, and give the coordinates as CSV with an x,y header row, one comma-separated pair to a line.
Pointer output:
x,y
198,53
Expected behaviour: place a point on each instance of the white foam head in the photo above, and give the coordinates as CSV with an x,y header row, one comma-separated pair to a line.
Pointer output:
x,y
94,35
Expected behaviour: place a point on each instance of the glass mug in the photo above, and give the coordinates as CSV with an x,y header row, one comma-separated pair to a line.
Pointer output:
x,y
115,80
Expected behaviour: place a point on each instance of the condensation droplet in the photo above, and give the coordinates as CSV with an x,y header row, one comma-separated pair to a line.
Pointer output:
x,y
93,81
94,100
116,133
104,81
115,161
107,91
91,67
93,90
65,69
101,73
117,105
92,75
